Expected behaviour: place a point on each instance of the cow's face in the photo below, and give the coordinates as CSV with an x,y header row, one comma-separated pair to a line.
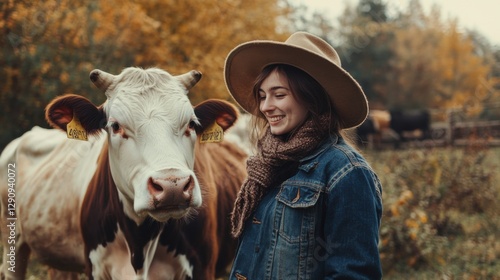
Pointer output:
x,y
151,133
152,129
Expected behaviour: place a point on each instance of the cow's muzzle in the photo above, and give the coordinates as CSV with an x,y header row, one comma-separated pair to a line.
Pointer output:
x,y
171,193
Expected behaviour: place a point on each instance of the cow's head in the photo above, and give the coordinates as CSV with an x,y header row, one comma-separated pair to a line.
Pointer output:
x,y
152,128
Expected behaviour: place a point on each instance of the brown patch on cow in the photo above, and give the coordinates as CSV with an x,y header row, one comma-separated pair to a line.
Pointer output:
x,y
98,220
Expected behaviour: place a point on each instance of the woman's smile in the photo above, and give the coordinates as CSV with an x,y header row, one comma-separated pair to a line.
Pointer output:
x,y
274,120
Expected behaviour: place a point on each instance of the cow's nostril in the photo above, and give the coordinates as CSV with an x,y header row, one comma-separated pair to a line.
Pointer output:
x,y
188,185
157,187
154,187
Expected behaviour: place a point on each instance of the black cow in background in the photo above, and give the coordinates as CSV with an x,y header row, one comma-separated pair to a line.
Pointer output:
x,y
397,124
411,120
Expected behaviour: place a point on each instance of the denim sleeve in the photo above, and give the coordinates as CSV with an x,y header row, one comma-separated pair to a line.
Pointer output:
x,y
351,229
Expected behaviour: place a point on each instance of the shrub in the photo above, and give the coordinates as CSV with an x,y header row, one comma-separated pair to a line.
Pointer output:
x,y
426,194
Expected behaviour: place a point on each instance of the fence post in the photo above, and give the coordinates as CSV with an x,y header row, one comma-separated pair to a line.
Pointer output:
x,y
451,126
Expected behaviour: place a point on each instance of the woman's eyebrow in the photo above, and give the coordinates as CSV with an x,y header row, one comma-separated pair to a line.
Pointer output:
x,y
275,88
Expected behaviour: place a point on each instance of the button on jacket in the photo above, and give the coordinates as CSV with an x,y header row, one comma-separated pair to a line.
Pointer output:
x,y
321,223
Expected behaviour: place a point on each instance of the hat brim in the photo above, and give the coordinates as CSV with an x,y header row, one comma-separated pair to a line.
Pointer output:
x,y
246,61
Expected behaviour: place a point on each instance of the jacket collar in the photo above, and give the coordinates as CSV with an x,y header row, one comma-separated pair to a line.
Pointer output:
x,y
307,163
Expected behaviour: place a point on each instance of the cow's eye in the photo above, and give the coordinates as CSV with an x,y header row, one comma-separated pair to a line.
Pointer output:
x,y
192,124
115,127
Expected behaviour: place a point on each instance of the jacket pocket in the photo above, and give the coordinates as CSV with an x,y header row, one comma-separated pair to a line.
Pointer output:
x,y
299,211
298,196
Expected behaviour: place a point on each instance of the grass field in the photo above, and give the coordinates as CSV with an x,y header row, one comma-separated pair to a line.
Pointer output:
x,y
440,213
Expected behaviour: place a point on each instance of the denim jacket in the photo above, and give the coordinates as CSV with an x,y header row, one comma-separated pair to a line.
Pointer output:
x,y
321,223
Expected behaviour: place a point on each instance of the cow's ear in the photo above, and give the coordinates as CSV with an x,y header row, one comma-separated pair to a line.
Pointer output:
x,y
63,109
220,111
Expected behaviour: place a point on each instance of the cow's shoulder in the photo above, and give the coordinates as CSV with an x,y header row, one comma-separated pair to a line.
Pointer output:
x,y
42,139
33,146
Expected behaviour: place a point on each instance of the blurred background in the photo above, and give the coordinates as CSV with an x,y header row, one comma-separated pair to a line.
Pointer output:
x,y
440,191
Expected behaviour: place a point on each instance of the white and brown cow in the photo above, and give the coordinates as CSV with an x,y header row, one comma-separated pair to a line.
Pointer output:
x,y
140,199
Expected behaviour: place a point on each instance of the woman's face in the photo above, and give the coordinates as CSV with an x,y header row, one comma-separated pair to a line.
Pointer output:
x,y
279,105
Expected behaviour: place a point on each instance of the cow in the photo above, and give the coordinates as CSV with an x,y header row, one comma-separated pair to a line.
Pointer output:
x,y
134,194
410,120
393,125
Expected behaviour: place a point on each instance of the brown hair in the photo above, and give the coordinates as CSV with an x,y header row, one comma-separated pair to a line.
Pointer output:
x,y
305,89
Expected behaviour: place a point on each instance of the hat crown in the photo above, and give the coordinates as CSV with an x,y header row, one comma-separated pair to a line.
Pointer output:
x,y
315,45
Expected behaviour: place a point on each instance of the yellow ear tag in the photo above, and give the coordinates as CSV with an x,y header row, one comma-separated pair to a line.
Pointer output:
x,y
213,134
75,130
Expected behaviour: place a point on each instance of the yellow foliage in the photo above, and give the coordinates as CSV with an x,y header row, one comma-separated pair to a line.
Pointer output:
x,y
394,210
435,65
423,218
404,197
45,67
177,36
437,175
413,236
64,77
411,223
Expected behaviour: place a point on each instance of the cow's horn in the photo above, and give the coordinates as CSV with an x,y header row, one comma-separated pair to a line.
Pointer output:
x,y
189,79
101,79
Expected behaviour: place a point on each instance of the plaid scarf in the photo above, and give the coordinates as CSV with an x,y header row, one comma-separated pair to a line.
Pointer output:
x,y
277,160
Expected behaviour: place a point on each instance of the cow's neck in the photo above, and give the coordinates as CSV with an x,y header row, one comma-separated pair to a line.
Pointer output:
x,y
138,238
103,212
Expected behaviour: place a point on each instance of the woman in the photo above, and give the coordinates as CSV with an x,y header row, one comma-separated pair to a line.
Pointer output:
x,y
311,205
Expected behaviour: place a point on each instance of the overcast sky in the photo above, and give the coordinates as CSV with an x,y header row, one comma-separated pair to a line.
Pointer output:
x,y
481,15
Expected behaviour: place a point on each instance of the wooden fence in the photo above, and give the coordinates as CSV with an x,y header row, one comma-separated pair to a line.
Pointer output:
x,y
450,133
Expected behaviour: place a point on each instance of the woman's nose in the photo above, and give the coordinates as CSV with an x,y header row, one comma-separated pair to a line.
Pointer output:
x,y
266,105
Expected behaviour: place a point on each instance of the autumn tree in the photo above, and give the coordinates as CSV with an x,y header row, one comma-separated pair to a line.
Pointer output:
x,y
436,64
414,60
300,17
49,47
38,60
364,44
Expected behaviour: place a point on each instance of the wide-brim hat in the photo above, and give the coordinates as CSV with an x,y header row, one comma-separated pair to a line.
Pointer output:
x,y
306,52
